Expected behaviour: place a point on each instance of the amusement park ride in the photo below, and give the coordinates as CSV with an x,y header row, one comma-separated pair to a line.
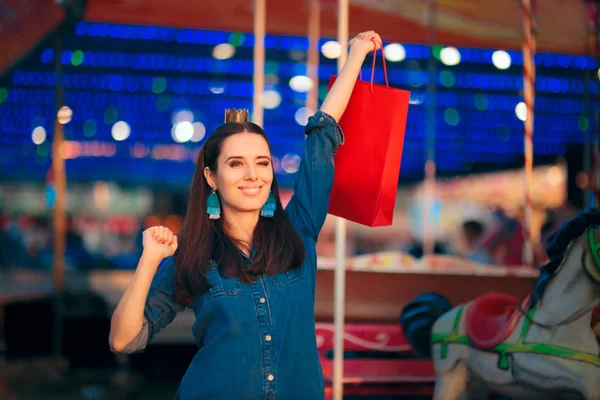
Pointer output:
x,y
437,326
540,347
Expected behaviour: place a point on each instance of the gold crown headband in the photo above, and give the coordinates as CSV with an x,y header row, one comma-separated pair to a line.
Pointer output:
x,y
240,116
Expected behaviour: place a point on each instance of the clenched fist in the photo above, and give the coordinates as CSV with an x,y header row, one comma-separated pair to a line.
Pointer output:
x,y
159,242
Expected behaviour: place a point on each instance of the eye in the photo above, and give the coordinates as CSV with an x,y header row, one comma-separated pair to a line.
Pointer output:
x,y
235,163
264,163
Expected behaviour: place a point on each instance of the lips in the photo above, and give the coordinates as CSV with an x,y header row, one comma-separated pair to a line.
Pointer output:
x,y
251,191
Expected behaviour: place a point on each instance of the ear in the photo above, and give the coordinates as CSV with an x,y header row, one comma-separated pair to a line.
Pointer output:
x,y
210,178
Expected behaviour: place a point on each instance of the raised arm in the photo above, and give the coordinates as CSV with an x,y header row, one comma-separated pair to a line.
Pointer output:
x,y
148,303
337,99
309,204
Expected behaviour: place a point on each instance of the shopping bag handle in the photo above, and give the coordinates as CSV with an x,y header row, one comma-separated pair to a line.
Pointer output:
x,y
373,67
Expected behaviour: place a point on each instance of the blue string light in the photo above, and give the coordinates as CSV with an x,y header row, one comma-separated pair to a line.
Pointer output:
x,y
144,79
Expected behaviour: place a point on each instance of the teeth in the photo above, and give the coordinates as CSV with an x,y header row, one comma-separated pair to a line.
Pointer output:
x,y
251,190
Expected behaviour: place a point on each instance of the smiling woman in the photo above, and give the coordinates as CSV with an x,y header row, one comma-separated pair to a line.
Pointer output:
x,y
246,266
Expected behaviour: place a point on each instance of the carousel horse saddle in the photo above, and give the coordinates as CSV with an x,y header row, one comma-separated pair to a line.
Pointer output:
x,y
490,319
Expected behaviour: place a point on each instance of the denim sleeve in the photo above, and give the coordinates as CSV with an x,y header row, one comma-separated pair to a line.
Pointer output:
x,y
308,207
161,307
138,344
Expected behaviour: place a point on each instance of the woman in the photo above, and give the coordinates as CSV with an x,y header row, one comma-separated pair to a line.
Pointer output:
x,y
245,266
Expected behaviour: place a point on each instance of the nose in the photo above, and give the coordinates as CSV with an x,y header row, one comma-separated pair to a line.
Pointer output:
x,y
251,173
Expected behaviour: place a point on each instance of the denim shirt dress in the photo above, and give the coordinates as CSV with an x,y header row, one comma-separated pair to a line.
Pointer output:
x,y
257,341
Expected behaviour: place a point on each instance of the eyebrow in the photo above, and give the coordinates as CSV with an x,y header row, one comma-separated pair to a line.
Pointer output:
x,y
241,158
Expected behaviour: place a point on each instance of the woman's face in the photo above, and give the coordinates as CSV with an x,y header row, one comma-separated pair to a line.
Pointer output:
x,y
243,174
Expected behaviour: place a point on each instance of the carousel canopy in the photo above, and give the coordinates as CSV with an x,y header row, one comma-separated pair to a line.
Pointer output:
x,y
562,24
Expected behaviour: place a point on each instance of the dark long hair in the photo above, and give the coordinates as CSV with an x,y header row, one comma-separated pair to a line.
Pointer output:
x,y
202,240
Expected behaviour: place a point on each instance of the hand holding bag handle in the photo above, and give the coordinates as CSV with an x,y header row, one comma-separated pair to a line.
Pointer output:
x,y
373,67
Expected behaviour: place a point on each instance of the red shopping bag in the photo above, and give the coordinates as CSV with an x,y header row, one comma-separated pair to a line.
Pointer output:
x,y
367,165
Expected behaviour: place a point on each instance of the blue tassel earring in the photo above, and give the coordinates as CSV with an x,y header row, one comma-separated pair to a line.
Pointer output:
x,y
213,206
268,210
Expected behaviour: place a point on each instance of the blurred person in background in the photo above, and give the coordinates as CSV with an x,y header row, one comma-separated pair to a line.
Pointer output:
x,y
246,266
468,244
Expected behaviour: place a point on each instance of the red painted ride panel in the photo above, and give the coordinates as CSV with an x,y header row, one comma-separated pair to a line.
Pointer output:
x,y
406,375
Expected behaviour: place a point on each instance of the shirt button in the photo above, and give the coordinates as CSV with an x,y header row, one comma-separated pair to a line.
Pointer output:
x,y
262,300
270,378
268,338
321,119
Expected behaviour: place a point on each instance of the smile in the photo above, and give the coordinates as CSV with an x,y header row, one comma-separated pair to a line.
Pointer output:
x,y
251,191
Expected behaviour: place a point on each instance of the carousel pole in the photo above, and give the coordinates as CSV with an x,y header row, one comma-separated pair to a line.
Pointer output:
x,y
58,213
259,61
314,21
340,244
430,167
529,47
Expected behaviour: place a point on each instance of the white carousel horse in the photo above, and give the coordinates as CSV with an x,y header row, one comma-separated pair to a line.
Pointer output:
x,y
541,348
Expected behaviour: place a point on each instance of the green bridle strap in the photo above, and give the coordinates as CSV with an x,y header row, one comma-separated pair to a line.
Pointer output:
x,y
595,250
504,349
